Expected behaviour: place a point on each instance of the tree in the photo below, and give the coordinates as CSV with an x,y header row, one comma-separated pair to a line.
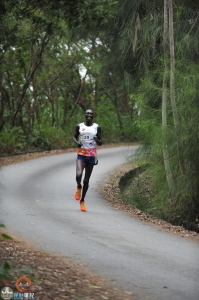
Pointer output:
x,y
166,156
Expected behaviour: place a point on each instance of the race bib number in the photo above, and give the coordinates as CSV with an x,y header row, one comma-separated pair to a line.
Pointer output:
x,y
86,137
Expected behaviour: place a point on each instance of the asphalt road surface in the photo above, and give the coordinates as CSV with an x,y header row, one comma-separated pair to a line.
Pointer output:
x,y
37,203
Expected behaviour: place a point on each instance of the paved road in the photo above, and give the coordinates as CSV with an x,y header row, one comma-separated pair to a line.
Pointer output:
x,y
36,202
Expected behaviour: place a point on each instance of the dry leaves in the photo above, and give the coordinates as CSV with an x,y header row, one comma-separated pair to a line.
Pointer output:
x,y
55,277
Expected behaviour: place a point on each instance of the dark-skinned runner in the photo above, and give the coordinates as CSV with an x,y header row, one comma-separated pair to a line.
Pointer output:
x,y
87,136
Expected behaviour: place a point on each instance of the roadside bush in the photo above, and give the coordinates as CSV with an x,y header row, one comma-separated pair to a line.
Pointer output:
x,y
11,140
5,266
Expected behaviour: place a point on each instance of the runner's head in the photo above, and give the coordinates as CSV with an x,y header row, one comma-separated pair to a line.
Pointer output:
x,y
89,116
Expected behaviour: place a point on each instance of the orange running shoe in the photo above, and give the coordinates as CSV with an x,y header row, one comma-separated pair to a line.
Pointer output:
x,y
78,194
82,206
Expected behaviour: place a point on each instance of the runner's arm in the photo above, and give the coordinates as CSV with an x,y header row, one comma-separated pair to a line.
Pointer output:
x,y
75,137
98,136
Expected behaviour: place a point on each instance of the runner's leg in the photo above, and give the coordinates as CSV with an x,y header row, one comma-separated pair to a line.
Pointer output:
x,y
88,171
80,165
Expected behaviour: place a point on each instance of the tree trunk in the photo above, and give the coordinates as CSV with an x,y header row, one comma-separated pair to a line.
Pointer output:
x,y
164,103
96,97
35,62
172,84
2,100
78,97
36,104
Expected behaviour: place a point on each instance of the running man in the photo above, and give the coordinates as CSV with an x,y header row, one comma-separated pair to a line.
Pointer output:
x,y
86,137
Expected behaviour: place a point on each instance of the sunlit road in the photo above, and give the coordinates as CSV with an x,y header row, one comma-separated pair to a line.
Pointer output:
x,y
36,203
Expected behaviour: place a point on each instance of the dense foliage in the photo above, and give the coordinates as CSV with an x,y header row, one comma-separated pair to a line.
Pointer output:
x,y
135,63
50,70
162,39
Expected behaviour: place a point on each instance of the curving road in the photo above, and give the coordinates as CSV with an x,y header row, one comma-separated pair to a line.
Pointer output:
x,y
36,203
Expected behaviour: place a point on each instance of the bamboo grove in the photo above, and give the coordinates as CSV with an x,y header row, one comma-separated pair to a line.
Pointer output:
x,y
135,63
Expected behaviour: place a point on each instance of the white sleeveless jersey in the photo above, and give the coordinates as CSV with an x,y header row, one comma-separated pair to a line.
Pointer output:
x,y
86,134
